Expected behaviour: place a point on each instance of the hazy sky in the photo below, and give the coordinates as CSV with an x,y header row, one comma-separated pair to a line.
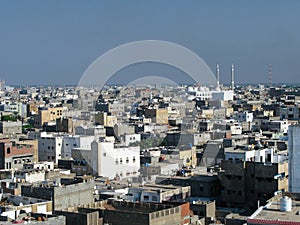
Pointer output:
x,y
53,42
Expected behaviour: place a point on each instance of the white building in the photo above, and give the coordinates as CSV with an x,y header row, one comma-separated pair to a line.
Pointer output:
x,y
236,128
128,139
266,155
112,162
294,158
75,141
204,93
53,147
104,159
222,95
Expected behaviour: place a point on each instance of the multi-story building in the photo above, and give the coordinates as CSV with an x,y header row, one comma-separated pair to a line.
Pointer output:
x,y
244,116
66,194
115,108
158,115
290,112
50,148
294,158
54,147
202,186
47,115
64,124
14,155
102,118
245,184
10,127
104,159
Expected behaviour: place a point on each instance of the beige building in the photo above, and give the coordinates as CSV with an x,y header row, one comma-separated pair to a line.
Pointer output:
x,y
188,156
32,109
158,115
47,115
102,118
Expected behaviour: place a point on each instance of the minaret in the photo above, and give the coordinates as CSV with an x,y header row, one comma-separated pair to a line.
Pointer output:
x,y
218,76
232,77
270,75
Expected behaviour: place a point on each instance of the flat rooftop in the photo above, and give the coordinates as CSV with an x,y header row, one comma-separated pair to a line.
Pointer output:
x,y
271,212
142,208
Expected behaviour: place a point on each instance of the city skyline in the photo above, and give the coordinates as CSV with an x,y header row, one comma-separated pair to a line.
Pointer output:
x,y
53,43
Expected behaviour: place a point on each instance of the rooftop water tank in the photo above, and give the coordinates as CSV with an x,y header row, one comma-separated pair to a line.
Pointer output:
x,y
285,204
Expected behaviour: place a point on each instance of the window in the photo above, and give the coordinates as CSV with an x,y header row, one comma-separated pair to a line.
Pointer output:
x,y
121,160
104,154
127,160
146,197
133,159
8,150
117,162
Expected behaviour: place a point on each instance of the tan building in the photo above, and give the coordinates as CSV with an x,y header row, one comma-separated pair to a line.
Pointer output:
x,y
188,156
32,109
47,115
158,115
102,118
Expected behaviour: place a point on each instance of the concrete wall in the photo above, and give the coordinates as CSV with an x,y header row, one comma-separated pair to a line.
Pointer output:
x,y
63,196
10,127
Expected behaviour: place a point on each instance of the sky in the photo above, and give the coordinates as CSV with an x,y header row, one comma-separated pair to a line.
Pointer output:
x,y
53,42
